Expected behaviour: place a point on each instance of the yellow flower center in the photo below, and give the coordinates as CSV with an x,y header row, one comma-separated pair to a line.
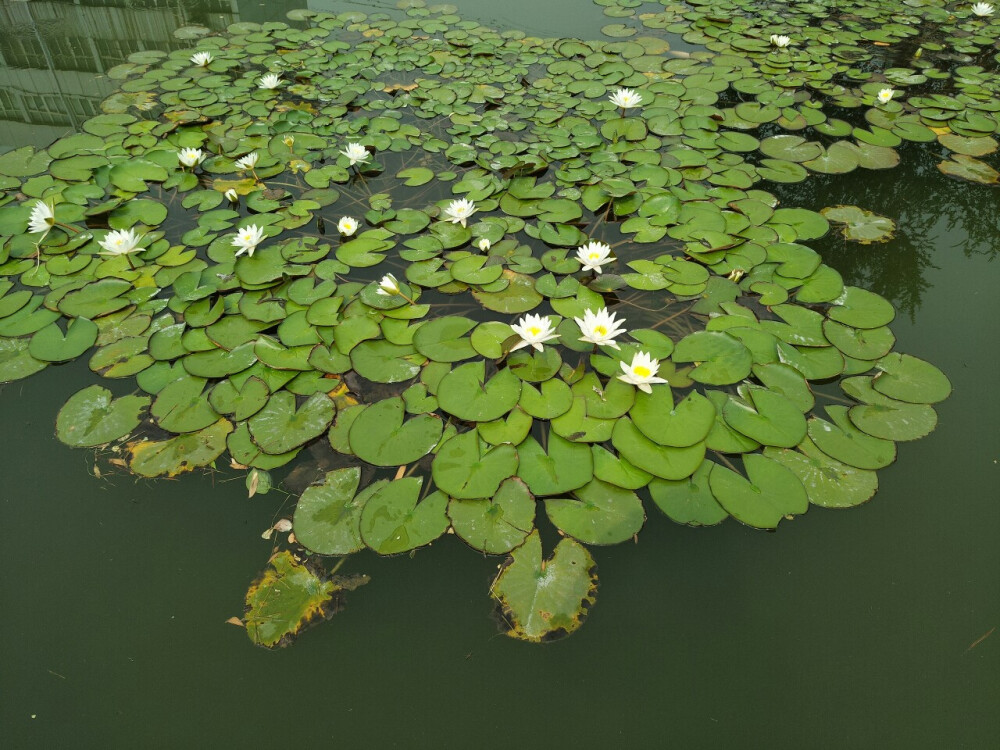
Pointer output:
x,y
534,330
600,330
642,372
594,256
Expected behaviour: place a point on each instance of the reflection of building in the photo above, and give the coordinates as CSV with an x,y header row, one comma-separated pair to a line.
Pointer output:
x,y
53,55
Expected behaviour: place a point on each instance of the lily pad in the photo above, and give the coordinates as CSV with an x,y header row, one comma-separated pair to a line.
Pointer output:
x,y
495,525
768,493
393,520
379,435
860,225
93,417
545,599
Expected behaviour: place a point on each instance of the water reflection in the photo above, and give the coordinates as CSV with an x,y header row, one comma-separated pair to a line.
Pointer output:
x,y
962,218
54,55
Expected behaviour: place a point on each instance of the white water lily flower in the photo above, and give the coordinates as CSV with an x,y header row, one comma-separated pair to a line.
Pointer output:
x,y
247,239
884,96
202,58
232,195
289,140
626,98
388,285
247,162
534,330
269,81
356,153
982,9
122,242
191,157
780,40
642,372
485,244
42,219
593,255
600,328
347,226
459,211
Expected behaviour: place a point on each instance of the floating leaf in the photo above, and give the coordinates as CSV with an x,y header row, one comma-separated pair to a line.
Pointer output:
x,y
860,225
93,417
545,599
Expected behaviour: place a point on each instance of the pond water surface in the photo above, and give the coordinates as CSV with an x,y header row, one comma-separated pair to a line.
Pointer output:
x,y
857,628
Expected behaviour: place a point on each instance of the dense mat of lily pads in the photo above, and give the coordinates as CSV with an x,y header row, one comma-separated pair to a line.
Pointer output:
x,y
485,277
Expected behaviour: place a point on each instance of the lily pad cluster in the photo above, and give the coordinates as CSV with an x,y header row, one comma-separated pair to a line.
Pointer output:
x,y
337,234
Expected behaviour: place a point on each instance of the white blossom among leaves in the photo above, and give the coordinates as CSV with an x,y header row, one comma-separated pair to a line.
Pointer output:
x,y
388,285
600,328
347,226
42,219
642,372
247,239
202,58
459,211
247,162
191,157
626,98
356,153
534,331
593,255
121,242
269,81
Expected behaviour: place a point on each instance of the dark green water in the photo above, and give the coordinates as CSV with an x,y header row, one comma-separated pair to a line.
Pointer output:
x,y
845,629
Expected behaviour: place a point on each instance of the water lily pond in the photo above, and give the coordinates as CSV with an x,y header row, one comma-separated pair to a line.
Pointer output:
x,y
460,332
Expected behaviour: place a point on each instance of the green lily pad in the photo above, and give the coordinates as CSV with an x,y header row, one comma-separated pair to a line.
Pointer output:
x,y
560,467
545,599
845,443
466,393
661,461
380,437
51,345
601,514
828,482
328,515
464,470
16,361
767,417
280,426
495,525
887,418
689,501
678,426
860,225
444,339
771,492
910,379
720,359
93,417
393,521
154,458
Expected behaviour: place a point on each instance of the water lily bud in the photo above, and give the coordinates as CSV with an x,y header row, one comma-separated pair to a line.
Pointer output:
x,y
289,140
232,195
485,244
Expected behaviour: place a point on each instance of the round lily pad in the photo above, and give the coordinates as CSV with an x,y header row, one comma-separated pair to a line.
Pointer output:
x,y
93,417
328,515
768,493
545,599
393,520
495,525
379,435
